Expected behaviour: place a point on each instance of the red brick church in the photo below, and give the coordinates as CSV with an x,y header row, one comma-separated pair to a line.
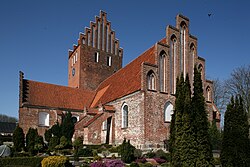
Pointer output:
x,y
110,102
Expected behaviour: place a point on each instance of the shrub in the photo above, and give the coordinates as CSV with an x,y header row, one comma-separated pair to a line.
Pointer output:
x,y
105,153
217,161
21,161
114,163
56,161
114,149
97,158
150,155
159,160
134,164
165,165
148,164
141,160
85,152
97,164
126,151
138,153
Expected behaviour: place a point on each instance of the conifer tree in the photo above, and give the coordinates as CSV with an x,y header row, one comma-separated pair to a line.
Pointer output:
x,y
200,124
18,139
175,138
67,126
235,143
188,143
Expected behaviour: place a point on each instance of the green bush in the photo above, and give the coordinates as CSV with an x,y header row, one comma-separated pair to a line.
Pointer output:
x,y
147,164
163,155
134,164
165,164
217,161
85,152
21,161
56,161
126,150
150,154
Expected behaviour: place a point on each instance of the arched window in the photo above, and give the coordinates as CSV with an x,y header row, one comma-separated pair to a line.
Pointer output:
x,y
173,51
209,98
43,119
163,71
168,111
124,115
183,48
151,80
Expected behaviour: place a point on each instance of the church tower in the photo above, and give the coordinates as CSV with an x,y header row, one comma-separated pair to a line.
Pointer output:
x,y
96,57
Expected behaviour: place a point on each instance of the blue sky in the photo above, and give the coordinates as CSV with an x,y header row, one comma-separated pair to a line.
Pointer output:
x,y
35,35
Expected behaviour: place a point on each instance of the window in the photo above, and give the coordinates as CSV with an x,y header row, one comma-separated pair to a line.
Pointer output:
x,y
214,115
75,118
43,119
76,56
109,61
104,125
208,94
168,111
173,70
151,80
124,115
163,71
96,57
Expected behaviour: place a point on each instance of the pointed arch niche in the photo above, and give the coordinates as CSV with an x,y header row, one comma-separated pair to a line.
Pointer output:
x,y
168,111
164,68
151,80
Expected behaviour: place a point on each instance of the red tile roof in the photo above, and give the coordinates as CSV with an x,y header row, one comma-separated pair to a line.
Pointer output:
x,y
125,81
49,95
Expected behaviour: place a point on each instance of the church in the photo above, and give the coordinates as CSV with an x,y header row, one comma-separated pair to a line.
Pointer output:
x,y
109,102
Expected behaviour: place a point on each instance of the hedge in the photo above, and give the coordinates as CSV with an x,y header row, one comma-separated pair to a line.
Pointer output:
x,y
21,161
56,161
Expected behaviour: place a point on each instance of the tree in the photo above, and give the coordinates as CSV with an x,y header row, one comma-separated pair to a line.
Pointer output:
x,y
182,140
34,142
239,84
215,136
235,143
67,126
126,150
200,123
18,139
5,118
48,135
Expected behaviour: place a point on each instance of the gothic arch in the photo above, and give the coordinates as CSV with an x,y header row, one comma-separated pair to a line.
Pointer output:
x,y
125,112
151,80
208,93
164,68
168,111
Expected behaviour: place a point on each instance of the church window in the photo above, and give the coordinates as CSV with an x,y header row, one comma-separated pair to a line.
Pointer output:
x,y
163,72
125,116
97,57
151,80
168,111
83,41
43,119
173,59
208,93
76,56
109,61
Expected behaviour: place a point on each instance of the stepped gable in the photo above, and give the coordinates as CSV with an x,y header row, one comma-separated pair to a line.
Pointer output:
x,y
55,96
125,81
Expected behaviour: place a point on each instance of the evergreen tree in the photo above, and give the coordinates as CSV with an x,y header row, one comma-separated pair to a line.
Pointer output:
x,y
56,130
215,136
235,143
126,150
188,143
176,137
18,139
30,140
48,135
200,124
67,126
